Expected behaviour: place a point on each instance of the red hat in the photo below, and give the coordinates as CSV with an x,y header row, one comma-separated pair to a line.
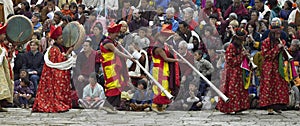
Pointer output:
x,y
166,30
55,32
3,29
114,28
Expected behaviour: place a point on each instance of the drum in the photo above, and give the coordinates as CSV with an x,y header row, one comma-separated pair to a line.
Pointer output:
x,y
19,29
73,34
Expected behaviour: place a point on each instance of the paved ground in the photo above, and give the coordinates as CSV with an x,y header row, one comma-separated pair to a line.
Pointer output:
x,y
17,116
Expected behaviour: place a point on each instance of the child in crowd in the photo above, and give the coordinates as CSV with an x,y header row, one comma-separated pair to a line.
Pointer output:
x,y
142,97
24,92
141,38
66,10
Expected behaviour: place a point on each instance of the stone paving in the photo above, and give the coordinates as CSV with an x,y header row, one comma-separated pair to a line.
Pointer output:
x,y
88,117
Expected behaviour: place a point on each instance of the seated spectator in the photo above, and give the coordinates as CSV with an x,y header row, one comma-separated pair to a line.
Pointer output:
x,y
24,93
188,98
93,94
142,97
33,63
141,38
66,10
23,74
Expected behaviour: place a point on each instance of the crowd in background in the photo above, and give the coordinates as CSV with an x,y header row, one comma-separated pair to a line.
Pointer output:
x,y
201,32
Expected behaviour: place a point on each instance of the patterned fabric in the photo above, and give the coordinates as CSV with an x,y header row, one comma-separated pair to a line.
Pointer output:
x,y
6,85
273,89
54,91
116,77
232,85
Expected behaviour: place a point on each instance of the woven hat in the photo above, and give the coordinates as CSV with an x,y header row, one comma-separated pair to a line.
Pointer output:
x,y
55,32
166,30
114,28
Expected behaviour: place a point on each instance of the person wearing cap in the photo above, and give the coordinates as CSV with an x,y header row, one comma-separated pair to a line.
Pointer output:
x,y
54,91
233,85
274,89
165,70
85,65
37,26
276,22
6,84
113,64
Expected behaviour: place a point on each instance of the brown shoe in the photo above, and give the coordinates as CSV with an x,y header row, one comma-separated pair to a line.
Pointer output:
x,y
27,106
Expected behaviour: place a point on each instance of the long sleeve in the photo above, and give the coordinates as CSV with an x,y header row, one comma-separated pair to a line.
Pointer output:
x,y
233,58
268,52
210,68
102,93
2,55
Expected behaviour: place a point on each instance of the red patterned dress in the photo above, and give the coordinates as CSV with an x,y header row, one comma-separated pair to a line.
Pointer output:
x,y
233,86
53,94
273,88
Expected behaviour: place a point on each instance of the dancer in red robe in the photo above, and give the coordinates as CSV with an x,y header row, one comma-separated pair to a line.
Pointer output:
x,y
233,87
54,92
274,92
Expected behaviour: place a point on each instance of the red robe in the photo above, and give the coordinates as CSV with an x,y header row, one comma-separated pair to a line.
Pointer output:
x,y
233,86
54,92
273,88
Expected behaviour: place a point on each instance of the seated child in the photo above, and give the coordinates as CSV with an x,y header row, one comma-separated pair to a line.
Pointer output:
x,y
142,97
23,92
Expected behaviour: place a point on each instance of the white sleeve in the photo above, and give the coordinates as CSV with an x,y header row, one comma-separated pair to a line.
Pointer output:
x,y
2,55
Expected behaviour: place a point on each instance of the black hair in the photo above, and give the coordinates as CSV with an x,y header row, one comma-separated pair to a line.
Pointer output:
x,y
26,4
38,35
184,23
199,52
143,82
26,81
63,5
9,15
93,75
59,13
82,6
99,26
67,18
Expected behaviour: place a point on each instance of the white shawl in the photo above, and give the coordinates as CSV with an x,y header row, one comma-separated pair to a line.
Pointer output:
x,y
62,65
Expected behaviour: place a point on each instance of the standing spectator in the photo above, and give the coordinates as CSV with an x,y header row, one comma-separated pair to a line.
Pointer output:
x,y
34,62
233,86
24,93
97,36
5,78
274,90
93,94
206,69
54,92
